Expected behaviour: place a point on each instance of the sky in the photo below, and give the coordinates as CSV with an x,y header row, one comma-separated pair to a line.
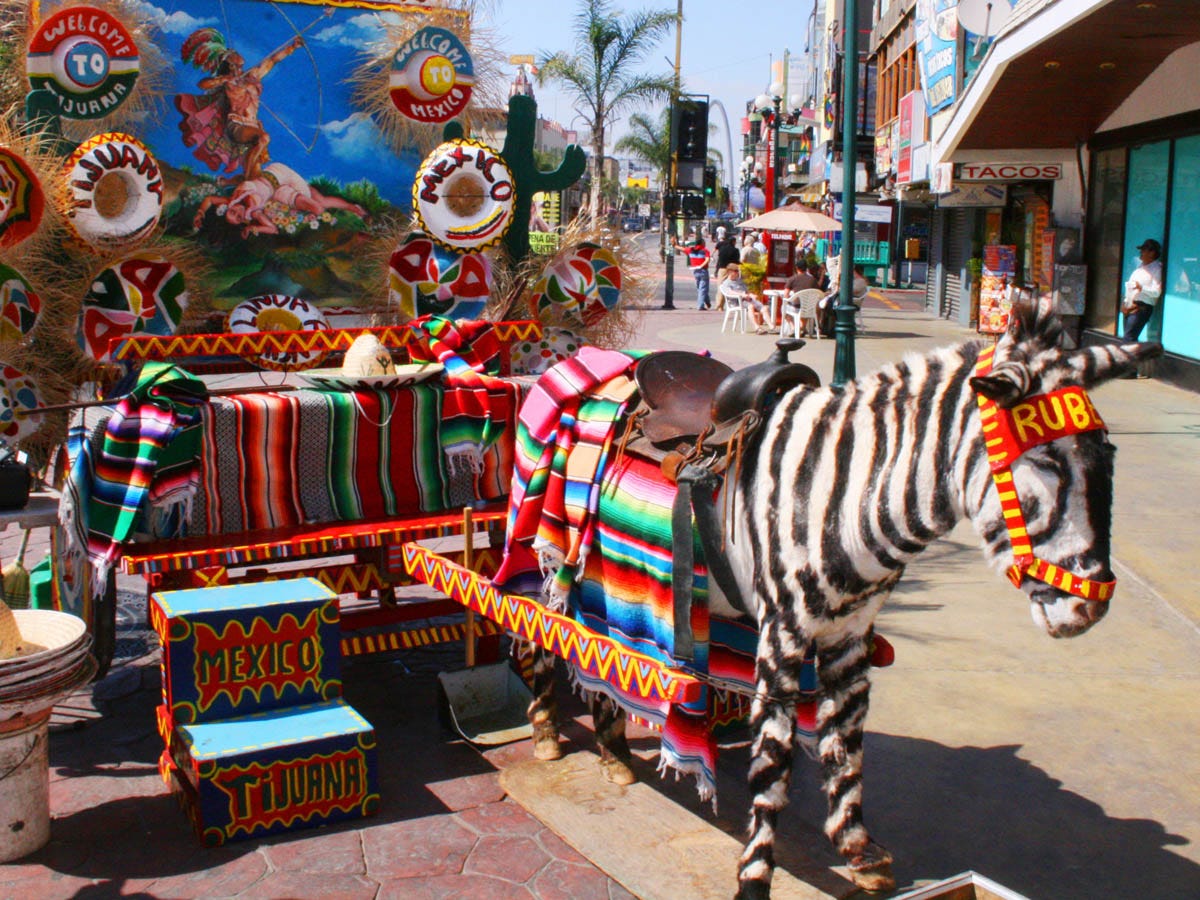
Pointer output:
x,y
726,51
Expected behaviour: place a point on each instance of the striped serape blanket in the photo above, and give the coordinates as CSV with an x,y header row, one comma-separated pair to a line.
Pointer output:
x,y
598,531
278,460
146,462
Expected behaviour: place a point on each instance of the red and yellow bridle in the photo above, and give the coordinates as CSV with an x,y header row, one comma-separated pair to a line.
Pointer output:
x,y
1007,433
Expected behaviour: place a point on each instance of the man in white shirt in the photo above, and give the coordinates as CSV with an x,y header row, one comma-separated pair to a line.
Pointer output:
x,y
733,288
1143,289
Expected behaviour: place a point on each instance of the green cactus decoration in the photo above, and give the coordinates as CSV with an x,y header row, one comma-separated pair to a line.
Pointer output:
x,y
527,179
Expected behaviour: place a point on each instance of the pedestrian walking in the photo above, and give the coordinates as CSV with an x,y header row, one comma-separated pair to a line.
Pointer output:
x,y
698,258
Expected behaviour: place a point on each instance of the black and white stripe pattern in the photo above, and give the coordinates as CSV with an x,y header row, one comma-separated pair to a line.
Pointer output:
x,y
842,489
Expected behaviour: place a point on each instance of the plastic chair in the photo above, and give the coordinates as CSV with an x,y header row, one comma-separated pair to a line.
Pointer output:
x,y
857,301
735,309
801,307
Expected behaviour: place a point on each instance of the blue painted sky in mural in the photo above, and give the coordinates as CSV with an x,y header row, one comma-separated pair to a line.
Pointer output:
x,y
306,104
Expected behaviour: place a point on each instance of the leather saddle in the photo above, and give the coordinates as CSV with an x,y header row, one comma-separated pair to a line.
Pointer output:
x,y
687,398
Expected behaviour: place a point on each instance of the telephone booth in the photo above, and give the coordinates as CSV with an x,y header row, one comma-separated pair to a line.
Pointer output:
x,y
781,258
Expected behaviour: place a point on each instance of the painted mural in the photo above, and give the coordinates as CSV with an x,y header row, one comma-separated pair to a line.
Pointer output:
x,y
269,167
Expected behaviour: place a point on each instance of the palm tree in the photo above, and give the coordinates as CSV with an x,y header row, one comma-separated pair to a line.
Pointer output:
x,y
601,74
650,142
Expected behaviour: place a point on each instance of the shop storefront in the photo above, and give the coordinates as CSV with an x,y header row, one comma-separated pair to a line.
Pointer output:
x,y
1148,189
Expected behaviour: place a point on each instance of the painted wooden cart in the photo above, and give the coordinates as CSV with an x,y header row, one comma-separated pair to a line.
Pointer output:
x,y
295,481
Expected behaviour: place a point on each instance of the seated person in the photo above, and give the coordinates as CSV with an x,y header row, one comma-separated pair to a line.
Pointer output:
x,y
734,288
802,280
861,286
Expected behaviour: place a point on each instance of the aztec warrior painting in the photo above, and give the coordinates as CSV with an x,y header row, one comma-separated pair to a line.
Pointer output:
x,y
269,167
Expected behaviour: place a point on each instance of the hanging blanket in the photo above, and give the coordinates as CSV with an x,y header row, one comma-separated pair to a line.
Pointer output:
x,y
604,532
148,461
470,353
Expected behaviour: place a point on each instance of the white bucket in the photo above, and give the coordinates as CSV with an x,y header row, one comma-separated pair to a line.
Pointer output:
x,y
24,785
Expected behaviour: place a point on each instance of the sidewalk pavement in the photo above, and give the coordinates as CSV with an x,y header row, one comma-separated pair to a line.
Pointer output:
x,y
1061,769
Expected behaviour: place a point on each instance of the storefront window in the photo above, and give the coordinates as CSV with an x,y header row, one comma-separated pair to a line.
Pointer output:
x,y
1104,239
1180,317
1146,210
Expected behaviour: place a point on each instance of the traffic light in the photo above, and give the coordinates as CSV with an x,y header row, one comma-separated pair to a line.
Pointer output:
x,y
710,183
689,130
693,206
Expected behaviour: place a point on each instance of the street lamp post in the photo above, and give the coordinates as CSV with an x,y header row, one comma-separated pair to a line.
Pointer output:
x,y
747,180
771,107
843,329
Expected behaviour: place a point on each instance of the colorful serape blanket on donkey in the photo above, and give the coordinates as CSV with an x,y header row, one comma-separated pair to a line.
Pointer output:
x,y
602,529
147,462
278,460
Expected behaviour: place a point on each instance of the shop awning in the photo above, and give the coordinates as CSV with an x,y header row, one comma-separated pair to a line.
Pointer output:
x,y
1060,68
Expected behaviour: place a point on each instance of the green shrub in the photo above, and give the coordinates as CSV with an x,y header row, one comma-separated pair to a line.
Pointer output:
x,y
753,274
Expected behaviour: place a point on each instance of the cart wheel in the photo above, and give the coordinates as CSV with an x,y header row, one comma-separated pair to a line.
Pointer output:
x,y
104,627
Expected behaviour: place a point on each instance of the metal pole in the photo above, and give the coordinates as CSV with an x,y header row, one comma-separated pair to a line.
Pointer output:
x,y
775,155
669,221
843,329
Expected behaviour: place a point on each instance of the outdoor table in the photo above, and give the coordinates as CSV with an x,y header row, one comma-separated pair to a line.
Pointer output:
x,y
776,296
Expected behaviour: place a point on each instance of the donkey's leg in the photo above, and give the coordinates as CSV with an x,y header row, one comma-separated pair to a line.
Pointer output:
x,y
773,723
543,709
841,718
609,721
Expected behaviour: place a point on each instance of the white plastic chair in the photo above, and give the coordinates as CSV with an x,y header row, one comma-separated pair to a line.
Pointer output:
x,y
801,307
735,309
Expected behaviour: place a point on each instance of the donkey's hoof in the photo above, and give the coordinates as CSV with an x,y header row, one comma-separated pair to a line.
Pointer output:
x,y
872,870
547,747
617,771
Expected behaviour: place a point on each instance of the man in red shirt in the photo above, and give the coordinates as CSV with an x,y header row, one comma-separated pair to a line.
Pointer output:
x,y
698,257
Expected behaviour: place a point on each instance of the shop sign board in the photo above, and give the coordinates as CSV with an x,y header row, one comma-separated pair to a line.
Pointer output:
x,y
818,168
1014,171
866,212
883,151
937,42
920,162
912,132
941,178
980,194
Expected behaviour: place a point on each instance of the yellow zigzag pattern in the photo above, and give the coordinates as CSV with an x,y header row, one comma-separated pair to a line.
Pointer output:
x,y
256,343
598,655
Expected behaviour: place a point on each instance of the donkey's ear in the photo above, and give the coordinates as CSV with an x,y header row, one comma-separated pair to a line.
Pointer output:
x,y
1033,322
1093,365
1006,384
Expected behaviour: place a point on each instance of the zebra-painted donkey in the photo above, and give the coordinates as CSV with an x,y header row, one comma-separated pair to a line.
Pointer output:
x,y
841,487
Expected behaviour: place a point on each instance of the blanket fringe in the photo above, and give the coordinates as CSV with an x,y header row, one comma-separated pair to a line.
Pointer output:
x,y
668,761
467,459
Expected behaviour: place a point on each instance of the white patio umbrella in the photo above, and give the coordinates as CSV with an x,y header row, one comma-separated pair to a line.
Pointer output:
x,y
792,217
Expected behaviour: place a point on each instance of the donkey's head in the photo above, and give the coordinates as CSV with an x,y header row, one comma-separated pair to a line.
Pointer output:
x,y
1048,514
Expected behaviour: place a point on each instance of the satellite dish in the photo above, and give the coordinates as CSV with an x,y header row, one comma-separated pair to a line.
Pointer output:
x,y
983,17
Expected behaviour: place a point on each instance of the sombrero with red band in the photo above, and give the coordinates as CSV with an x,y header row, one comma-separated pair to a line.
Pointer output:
x,y
1007,433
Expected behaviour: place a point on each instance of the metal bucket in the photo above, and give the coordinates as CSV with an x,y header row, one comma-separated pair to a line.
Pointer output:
x,y
487,705
24,785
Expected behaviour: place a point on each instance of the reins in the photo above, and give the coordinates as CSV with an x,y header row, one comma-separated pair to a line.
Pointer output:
x,y
1007,433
